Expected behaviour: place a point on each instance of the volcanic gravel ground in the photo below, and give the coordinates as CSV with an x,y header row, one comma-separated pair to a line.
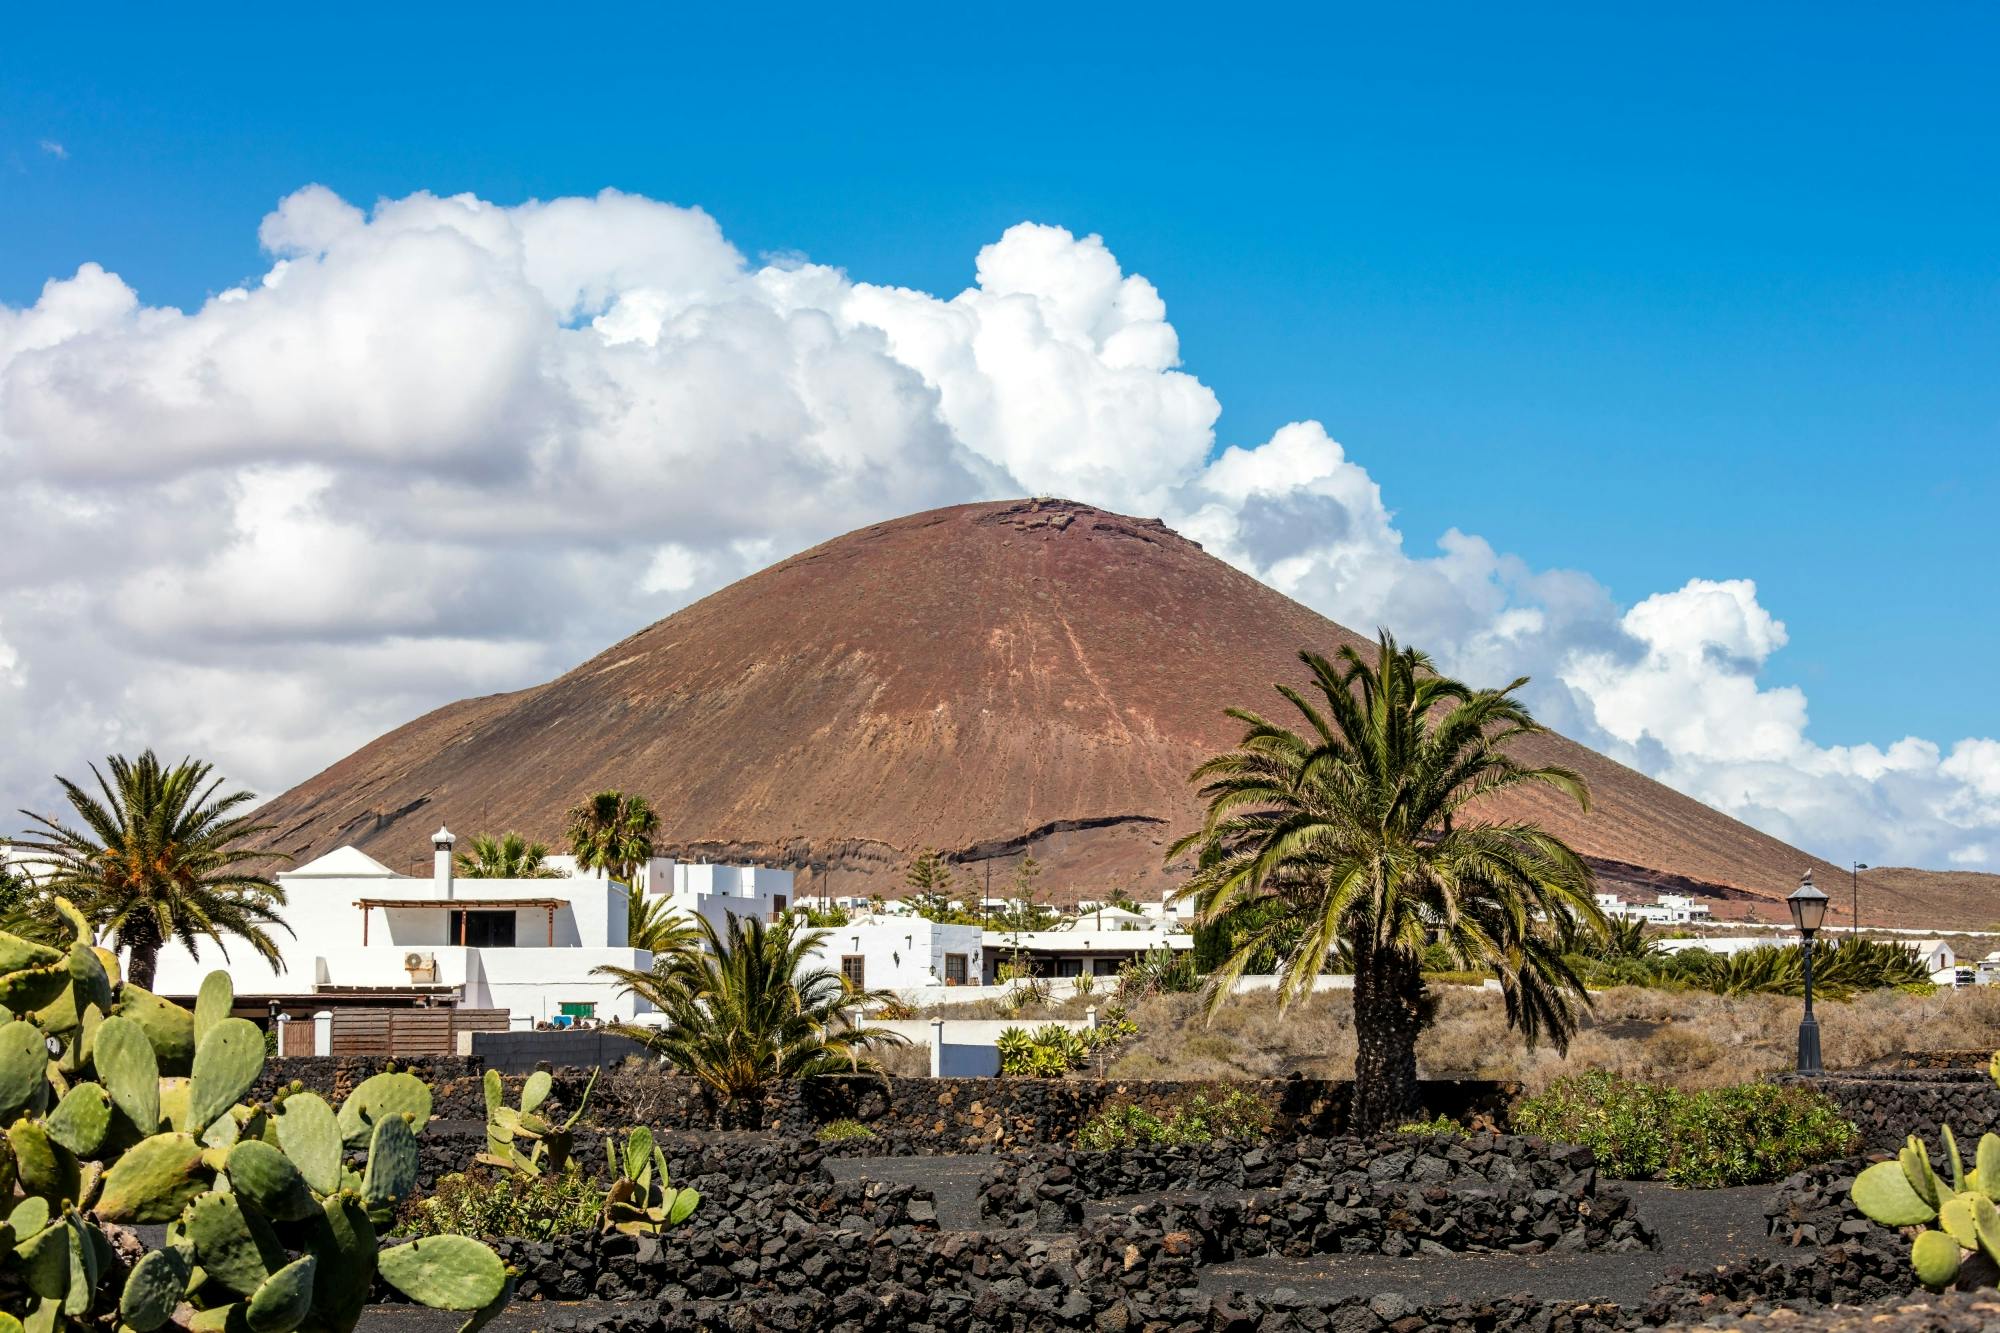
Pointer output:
x,y
1697,1228
952,1180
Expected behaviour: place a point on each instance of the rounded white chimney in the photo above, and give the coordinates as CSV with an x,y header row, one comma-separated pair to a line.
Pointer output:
x,y
441,870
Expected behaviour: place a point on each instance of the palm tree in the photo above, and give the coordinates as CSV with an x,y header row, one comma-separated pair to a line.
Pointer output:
x,y
754,1007
652,924
159,858
1365,829
509,856
614,833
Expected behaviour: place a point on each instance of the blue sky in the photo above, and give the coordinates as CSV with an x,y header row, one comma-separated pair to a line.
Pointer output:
x,y
1709,292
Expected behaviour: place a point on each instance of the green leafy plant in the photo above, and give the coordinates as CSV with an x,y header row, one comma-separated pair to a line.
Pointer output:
x,y
752,1007
1442,1124
1228,1115
123,1109
1053,1050
506,1203
1748,1134
843,1131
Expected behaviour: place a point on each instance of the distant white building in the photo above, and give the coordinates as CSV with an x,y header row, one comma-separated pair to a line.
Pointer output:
x,y
1672,909
1078,951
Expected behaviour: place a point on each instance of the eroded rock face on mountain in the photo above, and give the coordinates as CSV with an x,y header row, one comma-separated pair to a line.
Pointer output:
x,y
984,679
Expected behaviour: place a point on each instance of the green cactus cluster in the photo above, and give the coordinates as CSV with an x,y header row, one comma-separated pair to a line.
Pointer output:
x,y
1958,1222
642,1198
121,1108
507,1126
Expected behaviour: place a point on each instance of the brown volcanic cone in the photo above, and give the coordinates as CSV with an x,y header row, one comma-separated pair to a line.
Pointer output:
x,y
982,679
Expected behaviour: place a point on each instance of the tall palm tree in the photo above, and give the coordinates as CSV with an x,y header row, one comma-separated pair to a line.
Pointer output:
x,y
652,924
754,1007
159,858
509,856
613,832
1365,827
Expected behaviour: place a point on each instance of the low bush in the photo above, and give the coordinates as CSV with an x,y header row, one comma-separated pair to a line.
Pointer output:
x,y
1230,1115
1748,1134
843,1131
1052,1050
506,1204
1444,1124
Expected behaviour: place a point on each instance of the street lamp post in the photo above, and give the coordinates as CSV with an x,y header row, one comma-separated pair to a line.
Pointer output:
x,y
1854,870
1808,907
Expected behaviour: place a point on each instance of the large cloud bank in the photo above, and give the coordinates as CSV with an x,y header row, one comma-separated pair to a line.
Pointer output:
x,y
448,447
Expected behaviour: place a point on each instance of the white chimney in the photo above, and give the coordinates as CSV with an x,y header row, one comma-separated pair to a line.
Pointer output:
x,y
441,842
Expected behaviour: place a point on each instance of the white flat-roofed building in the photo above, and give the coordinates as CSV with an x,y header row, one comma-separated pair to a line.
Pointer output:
x,y
359,930
1076,952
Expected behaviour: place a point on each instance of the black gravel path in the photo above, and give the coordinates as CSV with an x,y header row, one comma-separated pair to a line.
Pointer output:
x,y
1696,1228
952,1180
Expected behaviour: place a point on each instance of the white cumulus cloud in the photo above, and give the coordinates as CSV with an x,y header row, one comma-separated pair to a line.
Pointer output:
x,y
444,446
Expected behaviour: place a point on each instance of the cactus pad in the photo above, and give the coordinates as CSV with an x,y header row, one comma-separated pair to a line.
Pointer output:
x,y
282,1303
265,1178
445,1272
168,1027
1934,1255
382,1097
536,1090
310,1136
41,1165
226,1065
81,1119
212,1004
152,1291
24,1063
392,1168
129,1068
1884,1192
233,1247
153,1181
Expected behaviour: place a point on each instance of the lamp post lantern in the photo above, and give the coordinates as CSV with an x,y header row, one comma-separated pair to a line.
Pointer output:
x,y
1854,870
1808,906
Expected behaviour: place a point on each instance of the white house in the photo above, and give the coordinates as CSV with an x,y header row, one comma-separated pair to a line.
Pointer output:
x,y
361,932
1076,951
1672,909
903,953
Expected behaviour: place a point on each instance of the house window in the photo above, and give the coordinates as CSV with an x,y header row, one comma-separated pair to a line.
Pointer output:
x,y
1069,967
482,930
855,969
778,901
1104,967
954,969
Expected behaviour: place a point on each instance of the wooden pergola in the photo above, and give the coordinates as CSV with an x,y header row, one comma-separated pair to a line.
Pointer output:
x,y
548,905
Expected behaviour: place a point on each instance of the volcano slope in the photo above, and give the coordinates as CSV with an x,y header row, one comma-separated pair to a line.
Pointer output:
x,y
991,680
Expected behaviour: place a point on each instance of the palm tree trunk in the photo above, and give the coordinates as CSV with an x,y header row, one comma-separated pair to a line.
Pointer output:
x,y
1388,1016
141,941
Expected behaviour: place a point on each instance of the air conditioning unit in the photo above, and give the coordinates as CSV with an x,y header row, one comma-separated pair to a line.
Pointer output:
x,y
421,966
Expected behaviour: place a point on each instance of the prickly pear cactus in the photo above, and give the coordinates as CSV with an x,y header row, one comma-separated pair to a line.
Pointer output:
x,y
548,1143
120,1108
641,1197
1957,1221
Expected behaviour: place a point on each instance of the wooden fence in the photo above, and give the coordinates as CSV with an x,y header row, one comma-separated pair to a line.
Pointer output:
x,y
395,1032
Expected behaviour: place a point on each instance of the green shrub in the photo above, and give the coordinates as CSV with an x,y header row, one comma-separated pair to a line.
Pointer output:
x,y
1748,1134
1753,1133
844,1131
1231,1115
1444,1124
1052,1050
505,1203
